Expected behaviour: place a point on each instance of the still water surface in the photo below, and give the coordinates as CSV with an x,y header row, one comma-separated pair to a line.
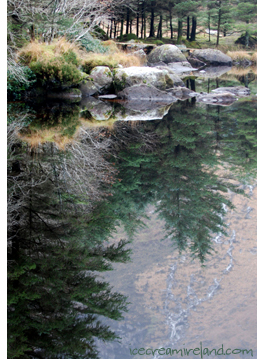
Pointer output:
x,y
182,188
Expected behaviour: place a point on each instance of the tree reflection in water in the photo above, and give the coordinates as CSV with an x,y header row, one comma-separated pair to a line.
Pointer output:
x,y
64,205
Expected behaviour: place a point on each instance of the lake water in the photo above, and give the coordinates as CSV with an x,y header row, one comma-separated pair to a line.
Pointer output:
x,y
179,182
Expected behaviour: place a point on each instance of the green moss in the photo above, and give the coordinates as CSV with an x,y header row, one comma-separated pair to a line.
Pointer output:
x,y
118,84
169,81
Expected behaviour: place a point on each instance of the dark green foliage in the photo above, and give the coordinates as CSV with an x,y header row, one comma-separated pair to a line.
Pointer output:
x,y
16,85
56,72
127,37
90,44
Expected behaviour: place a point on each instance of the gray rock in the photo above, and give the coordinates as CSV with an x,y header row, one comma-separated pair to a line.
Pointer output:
x,y
212,57
102,77
166,54
170,76
239,91
224,99
88,89
141,54
140,75
196,63
180,67
146,93
183,93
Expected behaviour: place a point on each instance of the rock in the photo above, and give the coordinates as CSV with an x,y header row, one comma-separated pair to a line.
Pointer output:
x,y
166,54
180,67
139,75
170,76
195,62
99,110
225,98
88,88
102,77
141,54
146,93
239,91
212,57
182,93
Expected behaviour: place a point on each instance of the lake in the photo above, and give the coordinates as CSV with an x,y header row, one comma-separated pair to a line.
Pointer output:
x,y
177,183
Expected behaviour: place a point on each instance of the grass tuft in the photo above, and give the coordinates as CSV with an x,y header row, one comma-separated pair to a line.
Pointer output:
x,y
92,60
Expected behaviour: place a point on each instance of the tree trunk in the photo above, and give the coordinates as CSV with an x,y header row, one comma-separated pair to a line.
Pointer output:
x,y
209,25
111,30
121,27
32,33
180,29
188,27
218,32
127,24
142,19
115,28
130,26
159,33
138,9
171,27
152,19
193,31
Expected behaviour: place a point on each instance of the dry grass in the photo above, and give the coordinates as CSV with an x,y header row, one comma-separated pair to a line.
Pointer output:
x,y
254,58
239,55
111,45
36,137
35,51
96,124
239,71
111,60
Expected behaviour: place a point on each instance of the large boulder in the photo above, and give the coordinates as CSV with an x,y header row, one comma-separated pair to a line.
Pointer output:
x,y
88,88
166,54
171,77
102,77
139,75
146,93
212,57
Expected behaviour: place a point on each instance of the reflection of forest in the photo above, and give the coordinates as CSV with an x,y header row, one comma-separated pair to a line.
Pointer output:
x,y
64,205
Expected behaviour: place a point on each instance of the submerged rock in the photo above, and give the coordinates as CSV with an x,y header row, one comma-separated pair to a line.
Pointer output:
x,y
239,91
212,57
166,54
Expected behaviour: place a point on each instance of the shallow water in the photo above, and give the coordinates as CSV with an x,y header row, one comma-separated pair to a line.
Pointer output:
x,y
183,188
